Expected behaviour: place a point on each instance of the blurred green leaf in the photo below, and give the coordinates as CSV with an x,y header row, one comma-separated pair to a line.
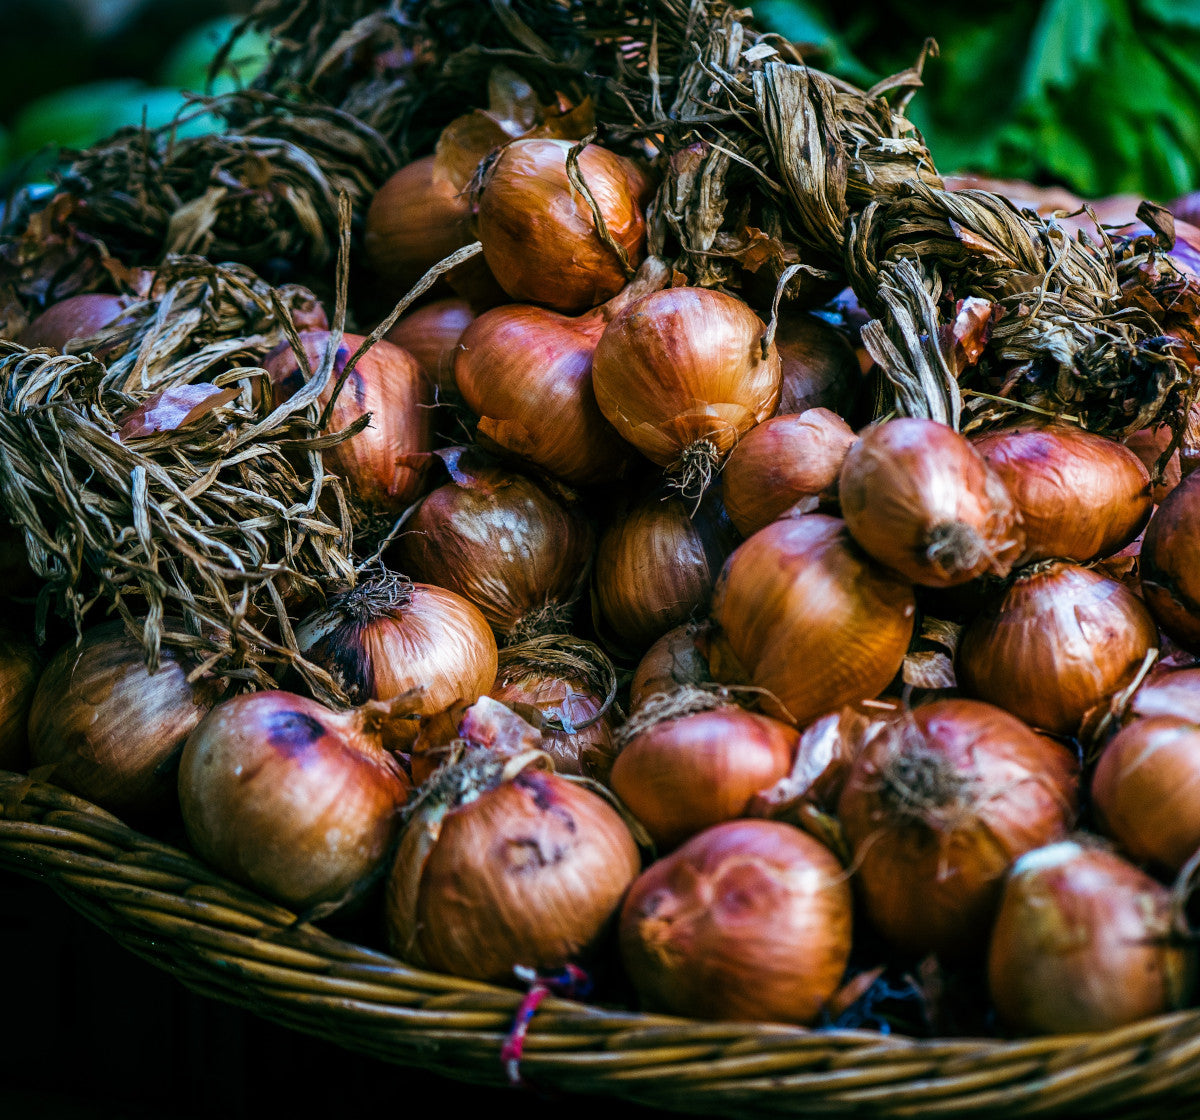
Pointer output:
x,y
1067,38
187,64
1174,13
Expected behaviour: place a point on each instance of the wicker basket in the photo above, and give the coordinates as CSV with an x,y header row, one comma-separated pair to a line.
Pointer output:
x,y
225,942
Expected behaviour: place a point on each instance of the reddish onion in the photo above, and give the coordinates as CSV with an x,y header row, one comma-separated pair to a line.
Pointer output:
x,y
1083,942
430,334
789,462
936,808
1059,642
291,798
74,318
1169,569
675,660
20,668
749,920
919,499
820,367
383,465
809,619
1080,495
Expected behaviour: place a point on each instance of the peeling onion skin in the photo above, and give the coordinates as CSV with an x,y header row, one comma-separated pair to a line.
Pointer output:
x,y
1062,640
20,668
750,920
1080,944
289,797
802,613
1170,563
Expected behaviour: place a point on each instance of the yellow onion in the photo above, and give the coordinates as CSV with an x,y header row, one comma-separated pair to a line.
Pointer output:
x,y
1083,942
430,334
803,615
109,727
383,465
936,808
1080,495
750,920
1170,563
690,760
1058,643
820,368
786,463
389,635
656,564
501,541
919,499
74,318
538,230
20,668
504,866
676,660
289,797
683,374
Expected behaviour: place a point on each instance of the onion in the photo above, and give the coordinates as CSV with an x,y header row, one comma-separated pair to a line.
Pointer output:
x,y
692,760
787,463
383,465
20,668
674,661
291,798
1149,444
109,727
1169,570
803,615
1080,495
1083,942
430,334
656,564
749,920
389,635
502,542
919,499
820,368
504,866
937,807
72,319
1059,642
539,233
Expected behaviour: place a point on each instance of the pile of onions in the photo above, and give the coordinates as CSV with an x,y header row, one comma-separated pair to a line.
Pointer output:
x,y
806,617
750,920
501,541
286,796
383,465
1080,495
785,463
936,808
1169,568
1083,942
504,865
691,760
110,728
20,668
919,499
1058,643
430,334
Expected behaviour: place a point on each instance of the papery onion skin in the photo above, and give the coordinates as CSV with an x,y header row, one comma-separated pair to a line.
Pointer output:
x,y
684,775
802,614
783,462
388,383
1080,495
675,660
530,873
749,921
1170,563
289,797
682,366
1082,943
538,232
430,334
1060,641
1145,791
20,668
917,497
936,808
109,727
76,317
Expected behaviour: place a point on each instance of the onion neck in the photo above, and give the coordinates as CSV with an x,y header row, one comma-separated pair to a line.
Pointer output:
x,y
653,275
687,700
954,547
550,619
373,598
918,784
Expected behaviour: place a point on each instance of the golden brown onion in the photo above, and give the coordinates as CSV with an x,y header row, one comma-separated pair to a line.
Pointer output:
x,y
676,660
1170,563
430,334
20,668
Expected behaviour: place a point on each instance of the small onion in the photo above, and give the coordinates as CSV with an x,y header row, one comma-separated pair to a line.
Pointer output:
x,y
20,668
74,318
1149,445
676,660
937,807
109,727
1080,495
504,866
539,233
919,499
430,334
690,760
1083,942
382,465
291,798
1169,569
1059,642
750,920
802,614
789,462
820,368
